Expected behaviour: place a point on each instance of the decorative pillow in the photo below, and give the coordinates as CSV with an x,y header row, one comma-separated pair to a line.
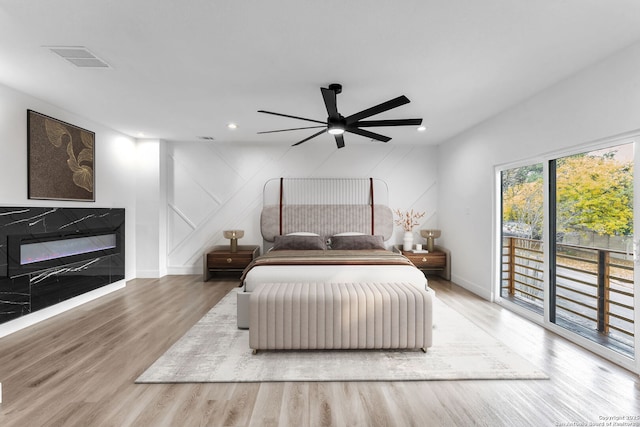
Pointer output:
x,y
298,242
357,242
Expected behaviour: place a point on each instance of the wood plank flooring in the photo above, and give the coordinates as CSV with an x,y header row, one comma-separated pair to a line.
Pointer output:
x,y
78,369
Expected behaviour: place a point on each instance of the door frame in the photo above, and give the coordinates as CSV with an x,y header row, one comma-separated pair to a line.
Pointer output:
x,y
633,363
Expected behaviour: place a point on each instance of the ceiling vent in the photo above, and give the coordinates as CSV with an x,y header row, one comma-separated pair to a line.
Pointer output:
x,y
79,56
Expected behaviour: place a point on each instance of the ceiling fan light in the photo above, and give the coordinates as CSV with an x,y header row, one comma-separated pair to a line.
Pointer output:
x,y
336,130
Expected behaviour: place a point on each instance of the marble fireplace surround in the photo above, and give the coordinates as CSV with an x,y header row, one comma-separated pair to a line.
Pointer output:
x,y
30,284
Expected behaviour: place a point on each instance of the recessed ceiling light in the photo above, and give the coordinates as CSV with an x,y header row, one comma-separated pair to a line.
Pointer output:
x,y
422,129
232,126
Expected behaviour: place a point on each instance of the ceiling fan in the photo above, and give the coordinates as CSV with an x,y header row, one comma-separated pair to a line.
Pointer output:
x,y
337,124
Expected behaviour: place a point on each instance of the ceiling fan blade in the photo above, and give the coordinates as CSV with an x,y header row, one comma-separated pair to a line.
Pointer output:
x,y
291,117
312,136
380,108
398,122
329,96
368,134
285,130
339,141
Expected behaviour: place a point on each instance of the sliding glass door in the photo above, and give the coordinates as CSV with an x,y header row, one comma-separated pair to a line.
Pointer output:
x,y
566,248
591,289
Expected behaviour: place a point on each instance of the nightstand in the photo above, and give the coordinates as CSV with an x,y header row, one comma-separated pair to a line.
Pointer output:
x,y
221,259
438,261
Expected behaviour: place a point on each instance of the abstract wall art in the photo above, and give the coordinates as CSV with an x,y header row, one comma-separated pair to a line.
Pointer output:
x,y
61,159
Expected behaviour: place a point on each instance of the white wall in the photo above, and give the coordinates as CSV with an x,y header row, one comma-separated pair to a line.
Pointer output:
x,y
599,102
151,211
115,163
212,187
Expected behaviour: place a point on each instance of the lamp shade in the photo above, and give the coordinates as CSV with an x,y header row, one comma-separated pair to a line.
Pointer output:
x,y
430,233
233,234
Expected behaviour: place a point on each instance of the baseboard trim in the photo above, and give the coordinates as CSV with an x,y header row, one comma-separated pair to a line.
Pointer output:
x,y
472,287
184,270
147,274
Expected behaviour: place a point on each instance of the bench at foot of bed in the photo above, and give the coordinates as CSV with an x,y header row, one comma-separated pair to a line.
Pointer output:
x,y
297,316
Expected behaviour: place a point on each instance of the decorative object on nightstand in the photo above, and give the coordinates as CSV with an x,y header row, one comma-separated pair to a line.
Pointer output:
x,y
407,220
233,235
430,235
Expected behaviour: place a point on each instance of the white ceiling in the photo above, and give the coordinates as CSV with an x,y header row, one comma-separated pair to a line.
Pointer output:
x,y
184,69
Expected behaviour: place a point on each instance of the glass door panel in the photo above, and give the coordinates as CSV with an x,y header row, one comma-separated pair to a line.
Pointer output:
x,y
522,211
591,207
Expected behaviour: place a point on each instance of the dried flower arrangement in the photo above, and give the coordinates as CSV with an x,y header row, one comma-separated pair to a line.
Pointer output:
x,y
408,219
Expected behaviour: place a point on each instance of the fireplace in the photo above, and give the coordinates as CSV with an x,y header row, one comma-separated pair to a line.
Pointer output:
x,y
29,254
48,255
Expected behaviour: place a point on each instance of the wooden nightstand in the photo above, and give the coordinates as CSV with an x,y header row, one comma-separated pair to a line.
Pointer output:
x,y
438,261
221,259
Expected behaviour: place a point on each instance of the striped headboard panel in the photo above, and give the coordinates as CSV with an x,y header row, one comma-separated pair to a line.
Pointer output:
x,y
326,206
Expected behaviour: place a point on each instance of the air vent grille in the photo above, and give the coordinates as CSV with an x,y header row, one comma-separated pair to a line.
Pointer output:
x,y
79,56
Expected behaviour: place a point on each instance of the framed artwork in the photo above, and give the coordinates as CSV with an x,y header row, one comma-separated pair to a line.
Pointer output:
x,y
61,159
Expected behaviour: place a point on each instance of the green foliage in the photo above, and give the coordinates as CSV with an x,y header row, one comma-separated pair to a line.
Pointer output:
x,y
522,197
594,193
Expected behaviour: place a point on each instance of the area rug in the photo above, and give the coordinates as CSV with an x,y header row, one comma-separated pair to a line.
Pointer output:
x,y
214,350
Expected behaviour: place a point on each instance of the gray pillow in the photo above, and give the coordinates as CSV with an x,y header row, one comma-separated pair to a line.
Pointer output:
x,y
298,243
357,242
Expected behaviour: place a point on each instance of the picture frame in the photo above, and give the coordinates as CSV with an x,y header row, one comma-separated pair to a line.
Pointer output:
x,y
61,159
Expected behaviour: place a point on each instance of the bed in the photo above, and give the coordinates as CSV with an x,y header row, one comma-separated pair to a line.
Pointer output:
x,y
328,231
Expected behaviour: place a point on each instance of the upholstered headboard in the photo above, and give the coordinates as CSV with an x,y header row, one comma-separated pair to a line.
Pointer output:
x,y
326,206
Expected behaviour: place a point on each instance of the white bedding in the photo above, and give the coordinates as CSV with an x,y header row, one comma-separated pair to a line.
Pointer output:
x,y
334,274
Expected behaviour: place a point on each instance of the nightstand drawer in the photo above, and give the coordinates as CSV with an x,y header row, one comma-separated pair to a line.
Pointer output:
x,y
220,259
437,261
229,260
430,260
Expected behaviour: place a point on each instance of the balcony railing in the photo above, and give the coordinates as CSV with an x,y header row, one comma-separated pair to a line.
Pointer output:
x,y
594,288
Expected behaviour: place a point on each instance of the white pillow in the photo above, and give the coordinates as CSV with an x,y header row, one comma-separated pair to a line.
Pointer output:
x,y
302,233
350,233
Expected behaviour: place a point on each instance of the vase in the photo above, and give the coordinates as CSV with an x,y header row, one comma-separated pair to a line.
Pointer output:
x,y
407,241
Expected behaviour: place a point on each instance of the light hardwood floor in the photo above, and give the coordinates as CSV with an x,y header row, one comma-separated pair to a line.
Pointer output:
x,y
79,369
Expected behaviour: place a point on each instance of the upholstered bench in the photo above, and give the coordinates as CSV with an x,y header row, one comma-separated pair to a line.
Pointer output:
x,y
296,316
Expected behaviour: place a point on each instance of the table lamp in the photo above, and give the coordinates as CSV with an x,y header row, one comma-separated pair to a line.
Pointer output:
x,y
234,235
430,235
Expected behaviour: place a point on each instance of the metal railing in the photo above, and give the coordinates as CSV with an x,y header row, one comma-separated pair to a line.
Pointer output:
x,y
594,287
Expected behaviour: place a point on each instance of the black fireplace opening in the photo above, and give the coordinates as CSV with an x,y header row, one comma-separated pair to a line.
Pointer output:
x,y
32,253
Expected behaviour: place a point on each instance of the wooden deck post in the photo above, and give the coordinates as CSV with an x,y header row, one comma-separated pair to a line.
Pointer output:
x,y
512,265
603,291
